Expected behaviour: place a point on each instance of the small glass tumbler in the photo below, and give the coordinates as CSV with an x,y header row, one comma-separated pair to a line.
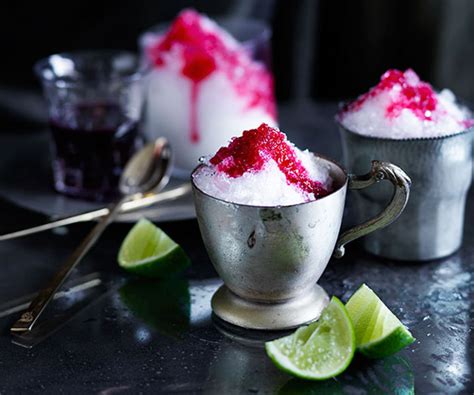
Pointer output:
x,y
95,101
198,117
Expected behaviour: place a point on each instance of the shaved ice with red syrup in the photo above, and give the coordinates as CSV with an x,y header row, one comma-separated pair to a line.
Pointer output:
x,y
401,106
262,168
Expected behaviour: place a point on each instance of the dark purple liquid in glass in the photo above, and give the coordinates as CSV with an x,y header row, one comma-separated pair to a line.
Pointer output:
x,y
92,142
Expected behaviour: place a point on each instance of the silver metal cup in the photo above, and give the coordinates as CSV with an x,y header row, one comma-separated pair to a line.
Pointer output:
x,y
441,170
270,258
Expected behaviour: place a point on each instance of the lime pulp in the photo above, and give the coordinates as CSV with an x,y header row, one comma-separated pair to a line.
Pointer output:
x,y
378,331
321,350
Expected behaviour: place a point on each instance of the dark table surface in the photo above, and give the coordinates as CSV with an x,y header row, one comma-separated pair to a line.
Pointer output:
x,y
113,333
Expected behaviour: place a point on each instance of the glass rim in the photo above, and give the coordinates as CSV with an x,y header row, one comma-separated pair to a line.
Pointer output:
x,y
43,64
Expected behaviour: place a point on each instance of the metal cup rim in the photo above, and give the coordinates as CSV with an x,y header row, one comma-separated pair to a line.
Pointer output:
x,y
409,139
338,189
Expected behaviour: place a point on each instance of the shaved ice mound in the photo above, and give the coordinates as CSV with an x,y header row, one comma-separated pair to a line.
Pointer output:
x,y
401,106
262,168
203,87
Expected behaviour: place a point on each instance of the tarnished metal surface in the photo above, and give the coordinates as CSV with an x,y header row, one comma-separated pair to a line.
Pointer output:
x,y
269,316
441,173
272,254
401,191
275,255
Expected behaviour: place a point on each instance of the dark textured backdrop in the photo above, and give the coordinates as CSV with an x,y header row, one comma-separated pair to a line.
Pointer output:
x,y
326,49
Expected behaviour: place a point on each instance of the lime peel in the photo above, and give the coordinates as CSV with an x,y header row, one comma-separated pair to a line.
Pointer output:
x,y
148,251
379,333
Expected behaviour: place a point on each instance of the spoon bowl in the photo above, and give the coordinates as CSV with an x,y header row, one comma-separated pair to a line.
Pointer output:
x,y
148,170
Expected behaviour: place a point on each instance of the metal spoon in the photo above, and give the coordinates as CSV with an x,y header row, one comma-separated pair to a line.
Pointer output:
x,y
149,169
130,205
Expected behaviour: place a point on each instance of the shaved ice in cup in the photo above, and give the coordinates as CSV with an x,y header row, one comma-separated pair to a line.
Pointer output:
x,y
205,86
270,215
402,106
429,134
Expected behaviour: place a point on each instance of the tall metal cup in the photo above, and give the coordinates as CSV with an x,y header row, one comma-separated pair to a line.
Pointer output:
x,y
441,171
271,258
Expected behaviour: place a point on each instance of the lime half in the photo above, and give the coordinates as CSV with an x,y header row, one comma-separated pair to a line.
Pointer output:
x,y
378,332
149,251
320,350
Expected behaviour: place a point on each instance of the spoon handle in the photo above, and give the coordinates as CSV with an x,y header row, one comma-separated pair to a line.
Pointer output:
x,y
128,206
39,303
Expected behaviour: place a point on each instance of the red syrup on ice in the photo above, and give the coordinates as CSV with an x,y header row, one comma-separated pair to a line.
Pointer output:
x,y
203,52
418,97
92,142
255,147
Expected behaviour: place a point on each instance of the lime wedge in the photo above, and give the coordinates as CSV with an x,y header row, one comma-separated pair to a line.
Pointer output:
x,y
321,350
148,251
378,332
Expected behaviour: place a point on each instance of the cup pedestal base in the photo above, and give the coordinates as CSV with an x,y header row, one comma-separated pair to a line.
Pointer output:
x,y
269,316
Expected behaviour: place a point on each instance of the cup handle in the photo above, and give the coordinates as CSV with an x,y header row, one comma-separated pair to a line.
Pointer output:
x,y
380,171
